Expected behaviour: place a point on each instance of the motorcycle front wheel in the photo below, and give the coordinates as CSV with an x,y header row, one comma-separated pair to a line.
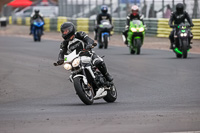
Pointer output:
x,y
106,41
138,46
111,95
184,49
39,35
83,91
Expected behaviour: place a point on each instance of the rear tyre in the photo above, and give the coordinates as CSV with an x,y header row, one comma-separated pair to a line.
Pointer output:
x,y
184,49
111,95
85,94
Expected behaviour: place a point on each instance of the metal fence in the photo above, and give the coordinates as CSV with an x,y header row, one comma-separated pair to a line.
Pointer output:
x,y
120,8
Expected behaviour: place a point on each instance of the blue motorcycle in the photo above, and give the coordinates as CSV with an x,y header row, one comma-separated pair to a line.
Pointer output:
x,y
37,29
104,34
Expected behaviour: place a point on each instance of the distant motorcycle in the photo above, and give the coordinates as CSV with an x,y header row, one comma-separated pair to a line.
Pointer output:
x,y
88,81
181,40
104,30
135,37
37,29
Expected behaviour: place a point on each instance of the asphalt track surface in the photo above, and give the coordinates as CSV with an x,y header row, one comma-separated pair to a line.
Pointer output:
x,y
156,92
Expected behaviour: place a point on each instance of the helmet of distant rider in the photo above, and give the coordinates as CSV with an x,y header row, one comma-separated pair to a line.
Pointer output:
x,y
37,11
179,8
67,30
104,9
135,10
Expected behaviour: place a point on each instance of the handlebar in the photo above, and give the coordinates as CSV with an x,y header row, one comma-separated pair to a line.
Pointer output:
x,y
93,45
173,26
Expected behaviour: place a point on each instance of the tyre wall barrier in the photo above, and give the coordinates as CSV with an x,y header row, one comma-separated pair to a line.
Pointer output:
x,y
154,27
82,24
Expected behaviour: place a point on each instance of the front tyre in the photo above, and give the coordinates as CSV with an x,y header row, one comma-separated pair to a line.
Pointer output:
x,y
39,35
184,49
138,46
83,92
111,95
106,41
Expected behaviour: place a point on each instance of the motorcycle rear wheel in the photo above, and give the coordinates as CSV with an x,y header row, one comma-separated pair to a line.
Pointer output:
x,y
85,94
111,95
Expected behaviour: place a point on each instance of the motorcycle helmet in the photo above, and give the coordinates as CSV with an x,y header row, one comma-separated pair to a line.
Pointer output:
x,y
67,30
37,11
104,9
179,8
135,10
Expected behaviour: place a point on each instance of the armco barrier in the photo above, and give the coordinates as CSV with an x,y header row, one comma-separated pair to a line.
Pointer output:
x,y
53,24
119,25
155,27
151,26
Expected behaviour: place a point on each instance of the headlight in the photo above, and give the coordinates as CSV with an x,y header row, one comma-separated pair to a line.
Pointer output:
x,y
67,66
141,29
133,29
76,62
182,34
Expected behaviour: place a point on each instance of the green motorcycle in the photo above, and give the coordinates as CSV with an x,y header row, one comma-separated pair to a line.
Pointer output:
x,y
181,40
136,35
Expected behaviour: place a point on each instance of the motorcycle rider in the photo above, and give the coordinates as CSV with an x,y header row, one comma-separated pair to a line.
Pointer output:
x,y
35,15
134,15
104,15
179,17
79,41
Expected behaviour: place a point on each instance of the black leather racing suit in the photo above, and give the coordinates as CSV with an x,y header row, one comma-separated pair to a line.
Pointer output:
x,y
178,19
100,17
129,18
80,42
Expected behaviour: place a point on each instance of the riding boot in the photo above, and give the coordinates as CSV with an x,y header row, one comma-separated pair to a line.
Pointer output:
x,y
172,46
31,29
95,36
191,36
42,30
124,35
95,32
102,68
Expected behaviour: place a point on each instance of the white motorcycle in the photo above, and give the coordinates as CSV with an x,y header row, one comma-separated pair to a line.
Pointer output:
x,y
88,81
